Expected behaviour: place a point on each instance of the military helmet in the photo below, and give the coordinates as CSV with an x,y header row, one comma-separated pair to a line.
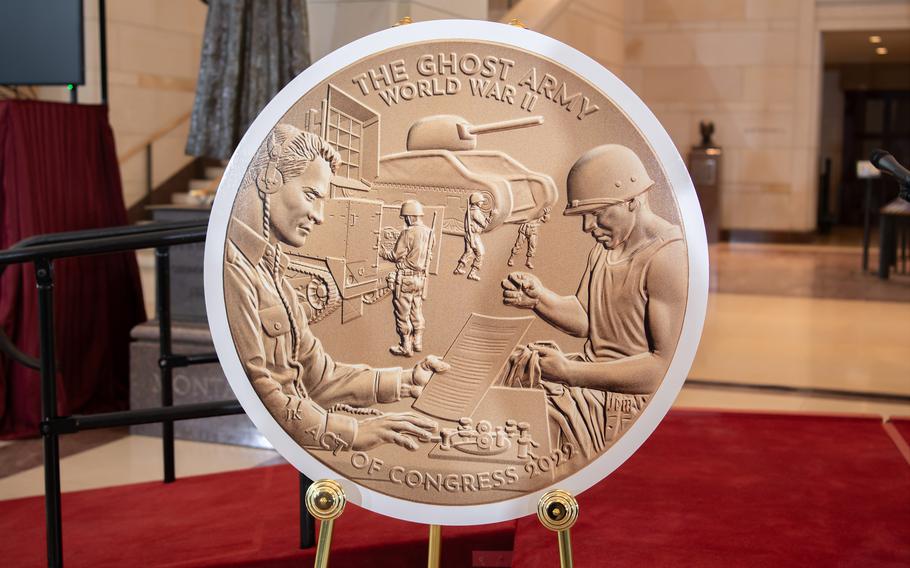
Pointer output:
x,y
476,198
605,175
411,207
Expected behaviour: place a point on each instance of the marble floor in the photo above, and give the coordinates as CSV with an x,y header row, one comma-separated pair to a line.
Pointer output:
x,y
790,328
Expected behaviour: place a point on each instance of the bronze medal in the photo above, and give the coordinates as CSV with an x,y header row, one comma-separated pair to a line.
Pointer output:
x,y
453,265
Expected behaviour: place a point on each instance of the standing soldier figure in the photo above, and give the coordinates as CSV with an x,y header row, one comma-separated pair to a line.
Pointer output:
x,y
475,221
412,254
528,232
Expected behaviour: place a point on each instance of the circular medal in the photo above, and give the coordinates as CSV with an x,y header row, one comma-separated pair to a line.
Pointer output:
x,y
453,265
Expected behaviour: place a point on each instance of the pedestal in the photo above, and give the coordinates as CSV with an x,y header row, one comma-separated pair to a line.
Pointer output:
x,y
187,284
197,383
704,167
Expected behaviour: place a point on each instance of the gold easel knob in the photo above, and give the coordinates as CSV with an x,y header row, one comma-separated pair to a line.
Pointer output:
x,y
325,499
404,21
517,23
557,510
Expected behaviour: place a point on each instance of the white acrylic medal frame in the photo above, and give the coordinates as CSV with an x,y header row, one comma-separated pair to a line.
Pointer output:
x,y
638,114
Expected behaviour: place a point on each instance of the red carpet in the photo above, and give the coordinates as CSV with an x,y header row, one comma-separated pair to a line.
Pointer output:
x,y
245,518
708,489
902,425
716,489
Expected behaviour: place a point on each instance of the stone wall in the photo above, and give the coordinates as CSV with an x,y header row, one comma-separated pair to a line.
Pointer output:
x,y
334,23
751,67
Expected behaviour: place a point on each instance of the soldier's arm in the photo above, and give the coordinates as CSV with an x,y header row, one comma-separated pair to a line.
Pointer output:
x,y
302,418
394,254
526,291
328,382
642,374
403,245
563,312
481,218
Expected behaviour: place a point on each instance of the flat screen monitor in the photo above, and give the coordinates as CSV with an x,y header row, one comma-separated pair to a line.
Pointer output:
x,y
41,42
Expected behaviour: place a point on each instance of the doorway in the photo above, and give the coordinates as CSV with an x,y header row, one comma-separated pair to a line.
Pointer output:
x,y
865,106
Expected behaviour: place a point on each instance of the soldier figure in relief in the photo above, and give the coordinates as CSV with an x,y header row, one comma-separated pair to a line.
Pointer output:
x,y
528,234
286,364
629,305
475,221
412,254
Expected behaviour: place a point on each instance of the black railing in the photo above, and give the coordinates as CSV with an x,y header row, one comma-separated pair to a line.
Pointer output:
x,y
42,250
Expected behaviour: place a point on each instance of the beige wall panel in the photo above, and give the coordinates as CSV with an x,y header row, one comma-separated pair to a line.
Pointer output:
x,y
771,9
745,48
693,10
141,111
749,129
173,15
756,210
775,84
574,29
169,154
758,165
590,31
333,24
679,126
461,9
667,84
614,9
148,50
610,47
633,77
862,14
662,49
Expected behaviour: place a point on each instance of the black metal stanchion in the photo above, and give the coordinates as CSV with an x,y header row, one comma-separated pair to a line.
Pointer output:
x,y
307,522
867,223
44,274
163,307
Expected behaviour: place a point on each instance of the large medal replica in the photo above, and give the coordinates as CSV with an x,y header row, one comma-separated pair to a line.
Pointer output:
x,y
454,265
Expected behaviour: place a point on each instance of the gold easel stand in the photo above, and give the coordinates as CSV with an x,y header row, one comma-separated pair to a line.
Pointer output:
x,y
325,500
558,511
435,546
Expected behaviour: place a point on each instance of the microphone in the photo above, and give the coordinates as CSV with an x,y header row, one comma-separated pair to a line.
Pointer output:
x,y
888,164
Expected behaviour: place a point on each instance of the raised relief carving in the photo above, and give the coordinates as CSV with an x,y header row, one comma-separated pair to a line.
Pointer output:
x,y
629,305
295,378
442,166
528,234
344,208
412,254
475,222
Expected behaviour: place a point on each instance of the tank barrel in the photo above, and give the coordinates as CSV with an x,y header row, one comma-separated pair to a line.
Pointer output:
x,y
503,125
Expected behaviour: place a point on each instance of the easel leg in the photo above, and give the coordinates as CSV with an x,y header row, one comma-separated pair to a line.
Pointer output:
x,y
325,500
558,511
435,546
325,543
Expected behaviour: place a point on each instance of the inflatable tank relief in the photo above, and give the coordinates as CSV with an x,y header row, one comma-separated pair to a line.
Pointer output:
x,y
443,167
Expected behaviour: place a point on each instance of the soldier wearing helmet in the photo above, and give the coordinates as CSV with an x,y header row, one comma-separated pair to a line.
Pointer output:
x,y
629,304
475,221
411,254
528,234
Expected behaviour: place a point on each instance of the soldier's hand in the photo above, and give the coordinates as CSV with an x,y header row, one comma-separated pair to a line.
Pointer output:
x,y
521,290
553,363
402,428
413,381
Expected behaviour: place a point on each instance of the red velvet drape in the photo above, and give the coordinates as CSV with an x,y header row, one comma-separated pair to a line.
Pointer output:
x,y
59,172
